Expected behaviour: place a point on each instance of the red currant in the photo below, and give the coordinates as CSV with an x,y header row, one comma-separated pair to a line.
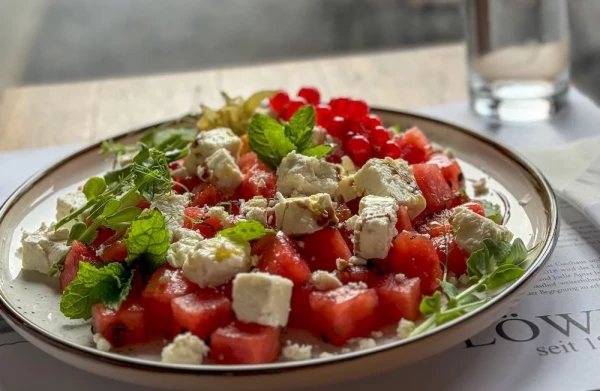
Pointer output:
x,y
378,136
339,106
357,109
324,115
359,145
371,121
292,107
361,158
355,127
337,127
279,101
390,149
331,158
311,95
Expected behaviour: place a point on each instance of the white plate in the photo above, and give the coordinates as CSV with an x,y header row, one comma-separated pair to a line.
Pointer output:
x,y
30,302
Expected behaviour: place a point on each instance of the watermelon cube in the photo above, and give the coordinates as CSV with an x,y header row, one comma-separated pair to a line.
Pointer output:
x,y
436,191
80,252
245,343
123,327
321,249
201,312
399,297
450,254
279,256
414,146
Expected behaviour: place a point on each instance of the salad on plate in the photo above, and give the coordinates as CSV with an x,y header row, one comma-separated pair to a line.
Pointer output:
x,y
274,228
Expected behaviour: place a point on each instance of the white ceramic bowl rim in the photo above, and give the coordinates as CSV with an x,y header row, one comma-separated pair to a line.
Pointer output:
x,y
547,247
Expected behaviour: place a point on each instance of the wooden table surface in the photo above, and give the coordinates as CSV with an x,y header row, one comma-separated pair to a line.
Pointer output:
x,y
50,115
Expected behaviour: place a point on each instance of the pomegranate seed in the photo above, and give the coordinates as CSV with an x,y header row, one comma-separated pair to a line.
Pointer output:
x,y
371,121
357,109
359,145
337,127
390,149
339,106
378,136
292,107
278,101
311,95
324,115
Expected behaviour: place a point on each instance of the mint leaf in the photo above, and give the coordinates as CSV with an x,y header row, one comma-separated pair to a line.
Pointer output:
x,y
498,249
318,151
108,284
245,231
148,240
479,264
518,252
299,129
431,304
279,144
76,230
492,211
94,187
449,289
258,142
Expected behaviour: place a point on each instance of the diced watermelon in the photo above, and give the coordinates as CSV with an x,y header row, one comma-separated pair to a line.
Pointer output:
x,y
201,312
353,273
165,285
436,225
414,146
245,343
475,206
450,254
143,204
415,256
450,169
399,298
347,234
206,194
258,182
183,185
344,313
114,252
322,248
123,327
249,160
403,223
436,191
342,212
280,257
80,252
300,313
103,235
353,205
195,219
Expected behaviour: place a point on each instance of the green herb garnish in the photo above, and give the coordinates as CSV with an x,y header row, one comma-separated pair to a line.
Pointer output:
x,y
245,231
492,211
148,240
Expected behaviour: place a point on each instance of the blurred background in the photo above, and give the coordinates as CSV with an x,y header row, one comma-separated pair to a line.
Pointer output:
x,y
57,41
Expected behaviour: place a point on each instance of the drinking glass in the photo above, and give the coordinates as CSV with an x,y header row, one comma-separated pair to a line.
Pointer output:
x,y
518,57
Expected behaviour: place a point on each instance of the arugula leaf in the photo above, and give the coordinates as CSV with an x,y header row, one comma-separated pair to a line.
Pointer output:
x,y
108,284
449,289
431,304
318,151
94,187
148,240
245,231
492,211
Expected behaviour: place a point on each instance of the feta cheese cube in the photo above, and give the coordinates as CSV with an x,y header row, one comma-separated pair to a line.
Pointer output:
x,y
471,229
390,178
223,172
325,281
319,134
208,142
305,215
255,209
296,352
217,260
44,247
262,298
405,327
184,246
185,349
376,226
306,175
171,206
346,190
348,165
70,202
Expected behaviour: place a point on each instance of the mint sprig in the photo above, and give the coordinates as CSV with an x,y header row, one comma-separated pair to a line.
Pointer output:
x,y
491,267
108,284
272,141
492,211
148,240
245,231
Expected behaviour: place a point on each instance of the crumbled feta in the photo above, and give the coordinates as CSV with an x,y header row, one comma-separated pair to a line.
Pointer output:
x,y
357,261
306,175
376,334
350,224
376,226
102,343
70,202
255,209
223,172
471,229
363,343
400,277
185,349
184,246
319,134
348,165
325,281
480,187
217,260
452,280
405,327
341,264
179,173
221,214
464,279
171,206
262,298
305,215
359,285
525,200
326,355
296,352
44,247
390,178
346,190
207,142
